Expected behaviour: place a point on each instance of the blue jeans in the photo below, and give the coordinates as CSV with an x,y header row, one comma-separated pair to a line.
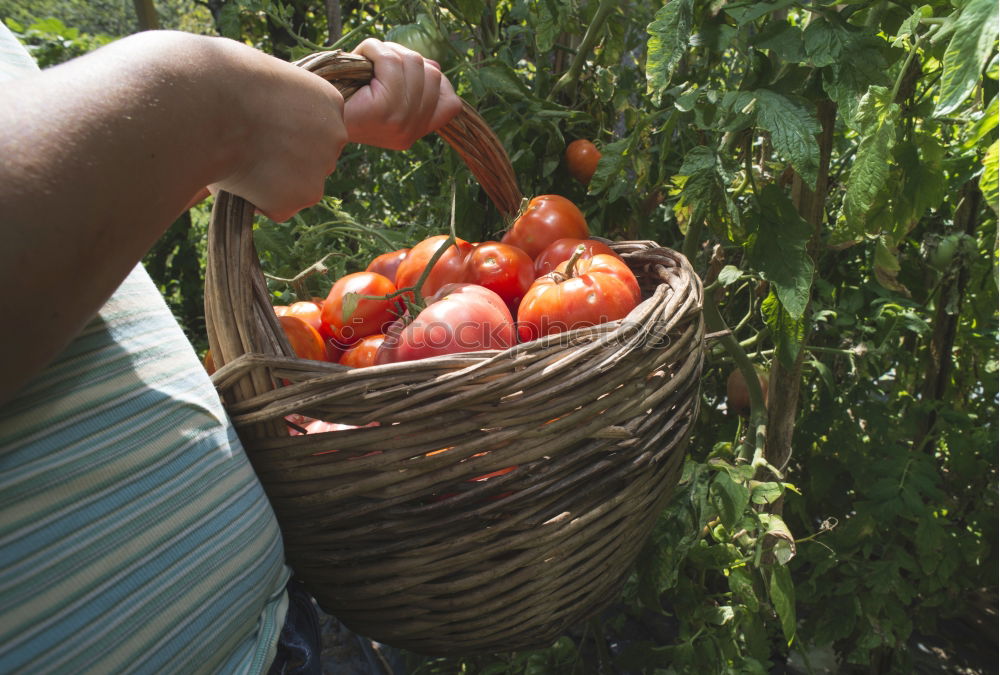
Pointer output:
x,y
300,643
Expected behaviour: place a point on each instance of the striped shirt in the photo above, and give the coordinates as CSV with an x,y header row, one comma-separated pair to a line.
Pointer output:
x,y
134,535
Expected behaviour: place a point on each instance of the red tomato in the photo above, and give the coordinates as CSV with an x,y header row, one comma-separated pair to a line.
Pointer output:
x,y
305,340
309,312
370,315
504,269
461,318
387,263
334,351
450,267
313,426
590,292
280,310
547,218
363,353
562,250
582,157
297,420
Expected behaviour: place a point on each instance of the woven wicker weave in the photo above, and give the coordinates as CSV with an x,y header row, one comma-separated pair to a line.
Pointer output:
x,y
387,524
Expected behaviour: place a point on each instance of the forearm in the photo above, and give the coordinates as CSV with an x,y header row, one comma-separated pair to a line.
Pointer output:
x,y
98,156
97,162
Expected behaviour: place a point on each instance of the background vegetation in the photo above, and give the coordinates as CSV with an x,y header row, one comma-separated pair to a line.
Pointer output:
x,y
831,171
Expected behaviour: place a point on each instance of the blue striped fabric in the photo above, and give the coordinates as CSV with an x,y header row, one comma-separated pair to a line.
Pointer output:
x,y
134,535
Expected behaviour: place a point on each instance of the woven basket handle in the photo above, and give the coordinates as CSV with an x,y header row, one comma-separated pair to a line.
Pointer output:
x,y
238,315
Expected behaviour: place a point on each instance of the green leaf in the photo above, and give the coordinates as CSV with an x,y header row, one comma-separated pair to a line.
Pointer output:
x,y
744,13
778,536
669,33
887,266
967,53
783,40
793,128
741,584
860,63
499,78
702,194
349,306
931,543
610,166
984,125
471,10
779,250
730,498
229,21
729,275
546,25
988,181
909,27
788,333
782,593
765,493
738,472
825,375
825,42
924,181
877,117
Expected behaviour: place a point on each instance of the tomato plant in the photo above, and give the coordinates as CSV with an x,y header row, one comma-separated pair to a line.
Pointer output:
x,y
830,171
546,219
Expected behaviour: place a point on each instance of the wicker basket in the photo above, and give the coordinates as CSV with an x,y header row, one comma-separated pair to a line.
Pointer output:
x,y
502,496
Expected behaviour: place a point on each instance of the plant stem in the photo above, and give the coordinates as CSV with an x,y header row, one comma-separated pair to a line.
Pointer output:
x,y
692,239
911,54
590,38
758,410
298,281
442,249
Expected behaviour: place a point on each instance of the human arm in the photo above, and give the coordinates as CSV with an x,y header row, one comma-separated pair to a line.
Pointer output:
x,y
102,153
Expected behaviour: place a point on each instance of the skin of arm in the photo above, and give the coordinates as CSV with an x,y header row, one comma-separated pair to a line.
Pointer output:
x,y
101,154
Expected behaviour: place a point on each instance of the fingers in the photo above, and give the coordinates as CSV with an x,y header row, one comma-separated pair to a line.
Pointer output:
x,y
408,98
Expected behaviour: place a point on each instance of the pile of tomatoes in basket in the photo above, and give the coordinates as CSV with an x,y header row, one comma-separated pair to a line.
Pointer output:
x,y
546,275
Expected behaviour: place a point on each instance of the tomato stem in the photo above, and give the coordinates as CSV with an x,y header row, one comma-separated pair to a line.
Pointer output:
x,y
418,302
298,281
571,264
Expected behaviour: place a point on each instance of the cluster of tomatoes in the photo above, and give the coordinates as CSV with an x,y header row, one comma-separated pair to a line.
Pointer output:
x,y
546,275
